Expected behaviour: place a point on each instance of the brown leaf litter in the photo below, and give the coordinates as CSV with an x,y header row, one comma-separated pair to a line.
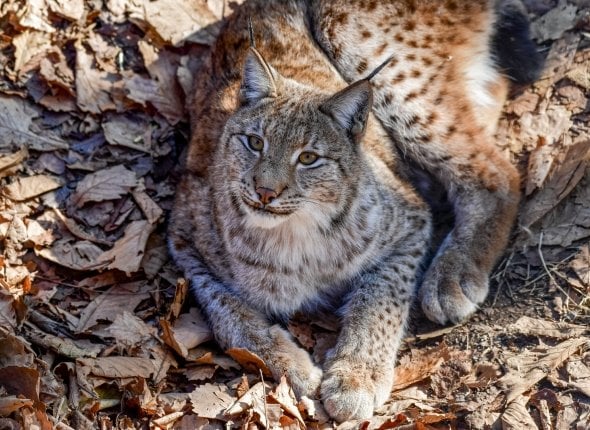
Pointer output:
x,y
98,331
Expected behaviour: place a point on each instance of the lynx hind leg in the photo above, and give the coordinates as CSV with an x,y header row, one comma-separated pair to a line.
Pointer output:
x,y
439,98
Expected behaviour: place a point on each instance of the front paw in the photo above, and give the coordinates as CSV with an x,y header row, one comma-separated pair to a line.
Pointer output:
x,y
352,388
453,287
285,357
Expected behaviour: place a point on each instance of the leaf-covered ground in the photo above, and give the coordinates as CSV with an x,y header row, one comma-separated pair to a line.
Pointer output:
x,y
96,327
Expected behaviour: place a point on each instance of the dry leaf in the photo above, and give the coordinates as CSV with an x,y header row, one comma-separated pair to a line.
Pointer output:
x,y
77,230
581,265
530,367
516,416
27,188
200,373
93,87
284,396
177,21
571,164
252,399
130,331
150,208
10,404
36,16
127,252
249,361
70,9
12,160
418,365
128,131
115,301
554,23
7,312
162,67
537,327
211,401
116,367
81,255
189,330
546,130
106,184
16,116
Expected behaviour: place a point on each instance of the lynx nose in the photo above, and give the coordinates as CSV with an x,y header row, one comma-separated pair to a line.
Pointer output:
x,y
266,195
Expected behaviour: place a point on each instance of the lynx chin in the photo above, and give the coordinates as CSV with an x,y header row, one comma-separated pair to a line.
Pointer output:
x,y
304,184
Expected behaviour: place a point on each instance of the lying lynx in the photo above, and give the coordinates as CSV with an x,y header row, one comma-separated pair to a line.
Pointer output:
x,y
297,196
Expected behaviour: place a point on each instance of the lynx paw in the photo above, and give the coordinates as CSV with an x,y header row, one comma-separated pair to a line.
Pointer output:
x,y
352,390
453,288
287,358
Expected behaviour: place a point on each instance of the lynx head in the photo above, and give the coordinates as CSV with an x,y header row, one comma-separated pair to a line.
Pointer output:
x,y
291,151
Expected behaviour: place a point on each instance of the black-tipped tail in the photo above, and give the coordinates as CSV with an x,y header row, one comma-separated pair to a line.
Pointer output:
x,y
512,46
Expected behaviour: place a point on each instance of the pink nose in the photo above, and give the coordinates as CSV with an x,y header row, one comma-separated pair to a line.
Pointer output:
x,y
266,195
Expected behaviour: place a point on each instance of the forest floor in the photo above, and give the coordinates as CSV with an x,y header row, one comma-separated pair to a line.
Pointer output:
x,y
96,327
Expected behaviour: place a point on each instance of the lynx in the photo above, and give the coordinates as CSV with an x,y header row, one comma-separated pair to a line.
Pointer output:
x,y
298,191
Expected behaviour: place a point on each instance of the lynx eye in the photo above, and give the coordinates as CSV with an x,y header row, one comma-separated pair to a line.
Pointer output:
x,y
255,143
307,158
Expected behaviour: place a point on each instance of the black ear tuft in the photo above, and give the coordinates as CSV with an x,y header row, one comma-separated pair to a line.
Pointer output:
x,y
258,79
350,108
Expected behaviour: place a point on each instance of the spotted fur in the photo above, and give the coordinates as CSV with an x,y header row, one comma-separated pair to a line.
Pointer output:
x,y
264,229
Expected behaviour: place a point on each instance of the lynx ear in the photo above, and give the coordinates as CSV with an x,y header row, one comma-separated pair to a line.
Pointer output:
x,y
258,79
350,108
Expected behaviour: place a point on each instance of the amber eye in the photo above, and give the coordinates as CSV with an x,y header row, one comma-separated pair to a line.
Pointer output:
x,y
307,158
255,143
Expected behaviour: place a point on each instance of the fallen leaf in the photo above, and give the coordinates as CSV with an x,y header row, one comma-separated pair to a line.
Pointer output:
x,y
10,404
116,367
150,208
249,361
162,67
130,331
7,312
554,23
570,165
36,16
32,186
81,255
177,21
211,401
418,366
581,265
537,327
252,399
127,252
127,131
77,230
530,367
558,61
115,301
93,87
70,9
284,396
106,184
516,416
200,373
12,160
188,331
16,116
